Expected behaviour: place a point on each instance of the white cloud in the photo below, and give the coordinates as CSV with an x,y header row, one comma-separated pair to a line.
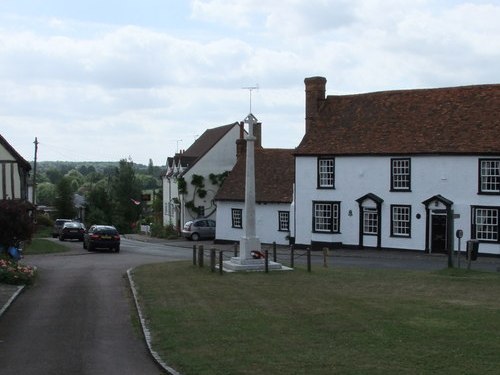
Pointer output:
x,y
142,88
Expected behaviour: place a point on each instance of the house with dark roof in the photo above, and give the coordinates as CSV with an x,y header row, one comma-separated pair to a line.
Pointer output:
x,y
274,177
400,169
193,176
14,173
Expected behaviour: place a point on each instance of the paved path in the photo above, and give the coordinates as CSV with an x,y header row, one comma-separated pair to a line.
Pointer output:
x,y
76,319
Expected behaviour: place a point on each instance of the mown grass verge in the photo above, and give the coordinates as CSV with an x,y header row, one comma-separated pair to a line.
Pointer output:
x,y
43,246
330,321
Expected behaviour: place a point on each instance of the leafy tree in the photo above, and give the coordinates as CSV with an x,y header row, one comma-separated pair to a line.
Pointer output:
x,y
76,179
54,175
99,208
125,187
150,167
64,199
46,193
148,182
15,221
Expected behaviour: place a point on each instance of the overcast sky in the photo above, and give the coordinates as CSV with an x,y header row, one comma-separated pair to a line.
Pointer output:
x,y
103,80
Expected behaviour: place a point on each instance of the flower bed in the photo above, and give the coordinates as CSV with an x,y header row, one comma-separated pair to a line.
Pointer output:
x,y
12,272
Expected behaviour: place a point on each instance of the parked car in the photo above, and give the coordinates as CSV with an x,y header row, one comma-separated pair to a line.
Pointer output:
x,y
57,226
72,230
198,229
101,237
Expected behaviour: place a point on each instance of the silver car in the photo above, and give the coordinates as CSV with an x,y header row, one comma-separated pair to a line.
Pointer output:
x,y
199,229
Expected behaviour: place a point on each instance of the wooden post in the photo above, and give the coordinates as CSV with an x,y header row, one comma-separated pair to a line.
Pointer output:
x,y
212,259
274,252
200,256
194,255
325,254
292,260
221,255
308,260
266,260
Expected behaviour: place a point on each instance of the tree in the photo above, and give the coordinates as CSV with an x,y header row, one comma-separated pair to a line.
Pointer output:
x,y
150,167
125,188
64,199
46,193
15,221
54,175
99,208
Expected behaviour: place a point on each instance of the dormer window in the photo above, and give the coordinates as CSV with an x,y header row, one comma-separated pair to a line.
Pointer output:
x,y
401,174
326,173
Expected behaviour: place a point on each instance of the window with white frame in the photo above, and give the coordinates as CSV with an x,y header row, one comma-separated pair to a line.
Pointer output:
x,y
370,220
485,223
236,217
283,221
489,176
400,221
400,174
326,172
326,217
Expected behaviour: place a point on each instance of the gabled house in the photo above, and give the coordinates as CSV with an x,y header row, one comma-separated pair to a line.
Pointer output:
x,y
193,176
274,176
399,169
14,173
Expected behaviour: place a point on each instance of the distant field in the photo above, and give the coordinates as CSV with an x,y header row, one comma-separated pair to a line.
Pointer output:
x,y
330,321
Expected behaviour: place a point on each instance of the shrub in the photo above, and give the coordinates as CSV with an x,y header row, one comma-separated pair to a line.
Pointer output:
x,y
15,222
160,231
15,273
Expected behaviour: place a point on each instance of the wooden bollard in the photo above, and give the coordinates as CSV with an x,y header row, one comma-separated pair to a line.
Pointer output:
x,y
325,255
266,260
200,256
212,259
308,260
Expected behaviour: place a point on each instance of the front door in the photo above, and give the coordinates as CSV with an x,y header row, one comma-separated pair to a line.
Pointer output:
x,y
439,233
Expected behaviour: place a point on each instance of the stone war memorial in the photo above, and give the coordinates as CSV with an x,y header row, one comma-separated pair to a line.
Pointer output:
x,y
250,242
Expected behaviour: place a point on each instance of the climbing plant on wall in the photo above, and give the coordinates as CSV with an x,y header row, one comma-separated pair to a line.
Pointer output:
x,y
200,192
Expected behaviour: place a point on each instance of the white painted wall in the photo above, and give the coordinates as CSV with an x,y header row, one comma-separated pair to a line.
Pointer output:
x,y
266,222
454,177
12,186
219,159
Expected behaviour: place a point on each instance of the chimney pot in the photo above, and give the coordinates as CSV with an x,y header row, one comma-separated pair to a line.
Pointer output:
x,y
315,95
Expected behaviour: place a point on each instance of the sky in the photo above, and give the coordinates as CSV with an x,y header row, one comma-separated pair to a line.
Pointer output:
x,y
98,80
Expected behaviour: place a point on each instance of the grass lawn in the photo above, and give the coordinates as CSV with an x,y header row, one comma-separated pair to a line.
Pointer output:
x,y
43,246
330,321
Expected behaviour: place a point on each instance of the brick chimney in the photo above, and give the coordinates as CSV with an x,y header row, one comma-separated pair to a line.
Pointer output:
x,y
241,143
315,95
257,133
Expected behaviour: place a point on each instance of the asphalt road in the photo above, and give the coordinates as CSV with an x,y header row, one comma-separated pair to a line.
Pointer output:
x,y
77,319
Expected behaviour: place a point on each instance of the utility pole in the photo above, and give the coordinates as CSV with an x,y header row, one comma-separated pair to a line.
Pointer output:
x,y
33,198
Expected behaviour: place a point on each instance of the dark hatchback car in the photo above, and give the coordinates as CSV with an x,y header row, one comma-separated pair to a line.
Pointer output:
x,y
58,226
102,237
72,230
199,229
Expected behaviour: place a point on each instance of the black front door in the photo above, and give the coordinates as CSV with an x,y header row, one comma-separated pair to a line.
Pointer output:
x,y
438,233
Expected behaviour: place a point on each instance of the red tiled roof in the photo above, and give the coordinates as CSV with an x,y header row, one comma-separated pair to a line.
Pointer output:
x,y
207,140
274,177
456,120
201,146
